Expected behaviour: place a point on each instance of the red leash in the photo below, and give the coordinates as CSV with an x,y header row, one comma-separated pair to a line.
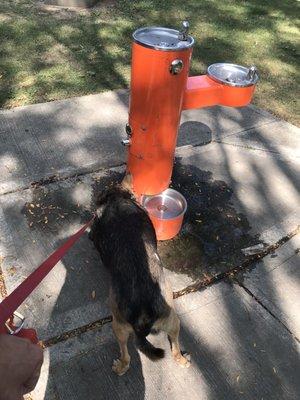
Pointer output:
x,y
10,304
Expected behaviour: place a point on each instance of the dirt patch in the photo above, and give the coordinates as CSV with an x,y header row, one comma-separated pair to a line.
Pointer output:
x,y
213,235
55,202
53,206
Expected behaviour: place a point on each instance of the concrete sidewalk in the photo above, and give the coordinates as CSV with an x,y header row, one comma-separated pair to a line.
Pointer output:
x,y
239,170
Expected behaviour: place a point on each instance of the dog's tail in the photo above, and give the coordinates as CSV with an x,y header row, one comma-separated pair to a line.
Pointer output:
x,y
154,353
142,327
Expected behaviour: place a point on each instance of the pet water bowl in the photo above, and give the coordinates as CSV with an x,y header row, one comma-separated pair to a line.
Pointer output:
x,y
166,211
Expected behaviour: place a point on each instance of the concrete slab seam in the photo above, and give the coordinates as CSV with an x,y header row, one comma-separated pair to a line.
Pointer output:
x,y
56,178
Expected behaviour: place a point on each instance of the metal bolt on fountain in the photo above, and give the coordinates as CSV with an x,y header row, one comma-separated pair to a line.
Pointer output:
x,y
160,90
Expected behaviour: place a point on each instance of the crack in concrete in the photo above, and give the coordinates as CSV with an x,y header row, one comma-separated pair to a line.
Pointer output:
x,y
266,308
197,285
249,147
75,332
231,273
244,130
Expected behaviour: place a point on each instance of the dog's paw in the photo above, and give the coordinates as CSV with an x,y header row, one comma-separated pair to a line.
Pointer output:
x,y
119,367
183,360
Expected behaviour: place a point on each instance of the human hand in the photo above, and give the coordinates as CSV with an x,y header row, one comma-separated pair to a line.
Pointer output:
x,y
20,366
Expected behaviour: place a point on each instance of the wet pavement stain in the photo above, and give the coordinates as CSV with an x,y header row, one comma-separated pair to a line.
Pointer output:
x,y
213,234
212,237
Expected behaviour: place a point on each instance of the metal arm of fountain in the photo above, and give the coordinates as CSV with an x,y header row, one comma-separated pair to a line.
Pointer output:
x,y
225,84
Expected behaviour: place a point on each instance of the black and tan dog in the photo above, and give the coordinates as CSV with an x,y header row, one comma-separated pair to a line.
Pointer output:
x,y
141,298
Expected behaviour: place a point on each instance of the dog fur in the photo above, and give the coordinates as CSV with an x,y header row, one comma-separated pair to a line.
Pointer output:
x,y
141,298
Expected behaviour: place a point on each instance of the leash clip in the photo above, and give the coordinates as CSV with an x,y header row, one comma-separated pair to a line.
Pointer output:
x,y
12,327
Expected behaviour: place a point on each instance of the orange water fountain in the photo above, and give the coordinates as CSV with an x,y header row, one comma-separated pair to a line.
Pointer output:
x,y
160,90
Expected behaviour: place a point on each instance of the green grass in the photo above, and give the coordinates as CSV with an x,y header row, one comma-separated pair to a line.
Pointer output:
x,y
49,54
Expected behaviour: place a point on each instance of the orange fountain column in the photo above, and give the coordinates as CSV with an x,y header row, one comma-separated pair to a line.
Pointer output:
x,y
155,107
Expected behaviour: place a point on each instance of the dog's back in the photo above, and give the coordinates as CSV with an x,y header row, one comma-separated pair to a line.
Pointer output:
x,y
125,238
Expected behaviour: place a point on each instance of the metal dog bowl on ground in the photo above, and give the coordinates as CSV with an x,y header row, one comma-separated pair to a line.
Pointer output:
x,y
166,211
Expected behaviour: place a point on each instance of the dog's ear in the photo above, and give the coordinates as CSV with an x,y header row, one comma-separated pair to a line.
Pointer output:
x,y
127,183
101,203
100,210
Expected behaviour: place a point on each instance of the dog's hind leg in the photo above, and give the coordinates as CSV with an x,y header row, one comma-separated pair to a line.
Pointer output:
x,y
122,332
172,327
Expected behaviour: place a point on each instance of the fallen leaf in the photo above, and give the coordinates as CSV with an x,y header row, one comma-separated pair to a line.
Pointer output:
x,y
254,344
31,205
12,271
93,294
206,276
238,378
274,369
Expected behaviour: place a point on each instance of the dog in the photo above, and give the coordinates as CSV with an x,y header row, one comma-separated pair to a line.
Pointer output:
x,y
141,298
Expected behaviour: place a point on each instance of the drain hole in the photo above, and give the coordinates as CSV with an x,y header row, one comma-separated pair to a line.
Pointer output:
x,y
162,207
